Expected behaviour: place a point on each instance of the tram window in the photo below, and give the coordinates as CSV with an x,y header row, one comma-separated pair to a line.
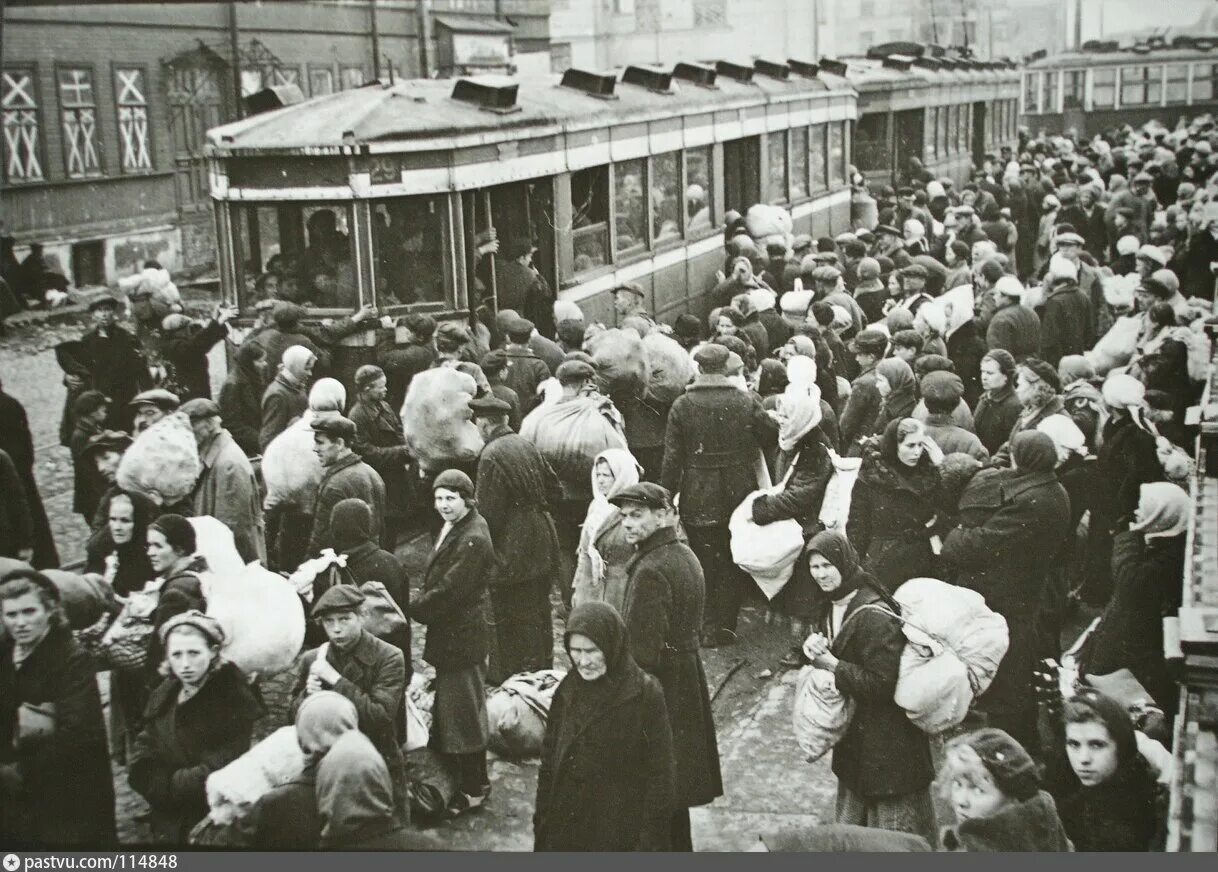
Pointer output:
x,y
776,149
799,164
590,218
941,129
1140,85
306,247
819,156
932,124
962,129
1049,104
1031,93
1073,82
1177,83
871,142
1204,76
837,154
407,250
1103,89
665,188
630,205
698,191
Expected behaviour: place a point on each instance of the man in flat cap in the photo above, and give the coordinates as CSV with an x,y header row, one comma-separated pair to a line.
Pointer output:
x,y
858,416
630,301
890,243
227,489
520,287
1070,245
711,446
941,392
516,492
525,370
663,610
912,282
381,442
401,363
344,475
151,406
369,672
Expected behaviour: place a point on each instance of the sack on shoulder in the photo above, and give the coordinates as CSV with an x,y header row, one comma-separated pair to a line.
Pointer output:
x,y
383,617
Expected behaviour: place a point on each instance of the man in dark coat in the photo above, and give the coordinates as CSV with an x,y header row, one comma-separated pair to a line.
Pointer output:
x,y
344,475
494,365
525,370
1202,253
1012,523
16,524
715,436
184,348
18,443
520,287
1067,325
864,404
106,359
287,396
665,595
381,442
516,489
1014,327
241,396
402,363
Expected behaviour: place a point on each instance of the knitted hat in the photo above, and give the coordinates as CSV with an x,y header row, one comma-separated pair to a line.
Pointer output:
x,y
1043,371
454,480
1007,762
209,627
179,533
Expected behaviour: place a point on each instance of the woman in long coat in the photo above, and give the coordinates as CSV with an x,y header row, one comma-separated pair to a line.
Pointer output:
x,y
998,408
606,776
56,789
882,763
197,721
600,566
895,505
455,605
899,390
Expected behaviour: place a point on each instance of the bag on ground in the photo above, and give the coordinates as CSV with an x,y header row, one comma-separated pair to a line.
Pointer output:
x,y
518,710
418,730
821,713
233,790
430,782
163,461
835,508
262,617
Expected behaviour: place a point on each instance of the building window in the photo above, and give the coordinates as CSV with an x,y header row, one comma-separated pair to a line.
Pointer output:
x,y
1141,86
630,205
590,218
1103,88
1073,89
321,81
799,164
132,102
837,154
698,191
560,57
710,13
818,154
21,150
1177,83
285,76
78,105
353,77
1031,93
866,10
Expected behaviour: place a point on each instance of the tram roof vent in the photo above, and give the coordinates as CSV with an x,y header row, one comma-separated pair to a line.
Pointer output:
x,y
737,72
887,49
898,62
1101,45
928,63
772,69
696,73
594,84
803,68
656,81
492,97
832,67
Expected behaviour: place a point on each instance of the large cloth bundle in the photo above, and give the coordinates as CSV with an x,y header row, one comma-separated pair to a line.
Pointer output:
x,y
437,419
570,434
233,790
163,461
820,714
164,296
835,508
518,711
955,643
766,224
767,552
85,598
291,470
262,617
1117,346
670,365
621,361
214,542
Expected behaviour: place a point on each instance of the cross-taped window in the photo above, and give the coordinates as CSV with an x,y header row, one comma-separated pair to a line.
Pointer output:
x,y
78,105
710,13
21,150
132,101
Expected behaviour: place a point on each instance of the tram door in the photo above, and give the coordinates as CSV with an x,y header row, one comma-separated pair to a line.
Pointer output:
x,y
979,115
519,210
907,139
742,173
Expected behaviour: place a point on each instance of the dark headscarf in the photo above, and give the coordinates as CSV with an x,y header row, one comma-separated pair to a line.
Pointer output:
x,y
134,568
1033,451
601,623
354,792
903,397
351,523
836,548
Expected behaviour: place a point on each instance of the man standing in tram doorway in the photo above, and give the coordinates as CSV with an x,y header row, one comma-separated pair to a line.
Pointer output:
x,y
520,287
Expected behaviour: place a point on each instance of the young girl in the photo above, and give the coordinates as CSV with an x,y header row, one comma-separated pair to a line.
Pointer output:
x,y
992,786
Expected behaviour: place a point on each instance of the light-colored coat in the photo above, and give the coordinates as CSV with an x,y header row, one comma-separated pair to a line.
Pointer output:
x,y
228,491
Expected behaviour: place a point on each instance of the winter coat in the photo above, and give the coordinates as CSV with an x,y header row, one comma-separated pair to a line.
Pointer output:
x,y
286,818
954,440
182,743
665,597
883,753
805,490
645,419
1028,825
777,330
1126,460
66,797
455,602
1014,328
347,478
240,405
1002,457
402,363
282,403
1067,325
715,436
1119,815
17,441
228,491
112,364
381,442
1198,278
88,483
525,371
185,355
615,553
861,410
609,787
16,521
965,348
889,512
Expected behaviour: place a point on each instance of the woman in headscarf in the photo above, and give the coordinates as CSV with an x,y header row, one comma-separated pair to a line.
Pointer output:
x,y
1037,386
896,503
805,468
898,391
1080,396
1109,802
1161,359
931,325
1127,459
1049,207
606,776
199,719
915,237
1012,524
600,568
1147,565
998,408
355,801
286,818
965,344
882,763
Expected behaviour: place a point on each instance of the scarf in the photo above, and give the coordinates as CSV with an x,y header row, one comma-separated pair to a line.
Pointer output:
x,y
328,395
836,548
903,397
1164,508
295,359
354,791
1033,452
601,623
323,717
800,409
626,472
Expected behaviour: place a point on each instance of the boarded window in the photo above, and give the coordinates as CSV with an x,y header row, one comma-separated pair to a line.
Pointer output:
x,y
134,145
22,152
78,107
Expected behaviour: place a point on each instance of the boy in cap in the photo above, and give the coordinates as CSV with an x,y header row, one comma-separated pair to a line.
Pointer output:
x,y
525,370
152,406
381,442
858,416
344,475
89,412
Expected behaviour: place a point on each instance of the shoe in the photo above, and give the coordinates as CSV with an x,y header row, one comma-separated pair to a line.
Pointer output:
x,y
463,802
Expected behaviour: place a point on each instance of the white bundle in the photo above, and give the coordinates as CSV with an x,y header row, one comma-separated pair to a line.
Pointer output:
x,y
291,470
214,542
163,461
1117,346
273,762
438,421
262,617
820,714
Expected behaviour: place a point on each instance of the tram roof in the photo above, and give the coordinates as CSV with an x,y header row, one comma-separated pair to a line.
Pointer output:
x,y
870,74
423,109
1122,57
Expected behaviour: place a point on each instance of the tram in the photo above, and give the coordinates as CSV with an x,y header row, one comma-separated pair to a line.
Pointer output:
x,y
1104,85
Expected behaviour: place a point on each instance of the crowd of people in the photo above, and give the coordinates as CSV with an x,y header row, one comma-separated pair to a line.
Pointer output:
x,y
1011,363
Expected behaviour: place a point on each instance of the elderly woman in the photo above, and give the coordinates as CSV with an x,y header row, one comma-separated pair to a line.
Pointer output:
x,y
894,379
998,408
1147,564
1036,386
606,777
455,606
882,763
56,789
895,504
199,719
600,569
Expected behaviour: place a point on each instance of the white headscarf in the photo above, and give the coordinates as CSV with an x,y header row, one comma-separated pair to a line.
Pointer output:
x,y
328,395
626,473
1164,508
800,411
1066,435
801,373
